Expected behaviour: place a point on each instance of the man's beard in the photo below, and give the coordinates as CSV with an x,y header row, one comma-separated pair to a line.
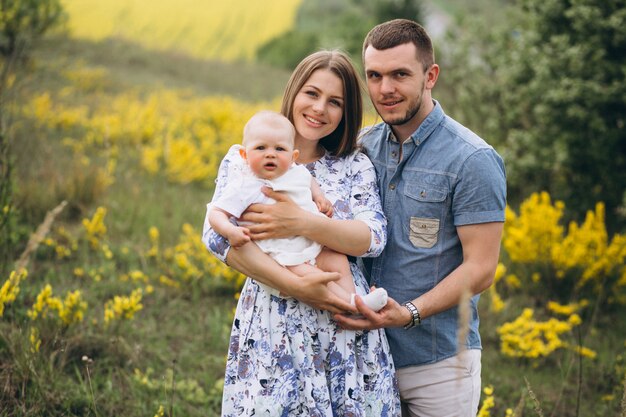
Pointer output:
x,y
408,116
411,112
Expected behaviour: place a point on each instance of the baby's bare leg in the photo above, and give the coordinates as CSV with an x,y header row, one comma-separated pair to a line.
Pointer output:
x,y
304,269
330,261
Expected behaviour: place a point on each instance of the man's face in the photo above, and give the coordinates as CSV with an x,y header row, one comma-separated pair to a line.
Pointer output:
x,y
397,86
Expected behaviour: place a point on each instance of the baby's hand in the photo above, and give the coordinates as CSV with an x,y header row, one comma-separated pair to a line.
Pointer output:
x,y
239,237
324,206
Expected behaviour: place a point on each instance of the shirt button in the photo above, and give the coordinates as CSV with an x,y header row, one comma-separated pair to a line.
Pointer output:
x,y
392,186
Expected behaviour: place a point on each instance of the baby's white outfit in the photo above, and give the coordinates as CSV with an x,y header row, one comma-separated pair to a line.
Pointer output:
x,y
296,183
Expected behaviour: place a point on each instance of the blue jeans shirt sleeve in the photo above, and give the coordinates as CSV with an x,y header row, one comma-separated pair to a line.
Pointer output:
x,y
480,193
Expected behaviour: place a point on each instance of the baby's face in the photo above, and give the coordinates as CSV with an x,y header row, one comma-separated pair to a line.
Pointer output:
x,y
269,153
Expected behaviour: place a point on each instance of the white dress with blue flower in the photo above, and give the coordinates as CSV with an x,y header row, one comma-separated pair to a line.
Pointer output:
x,y
286,358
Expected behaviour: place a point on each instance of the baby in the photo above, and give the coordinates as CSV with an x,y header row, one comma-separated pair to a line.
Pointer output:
x,y
268,149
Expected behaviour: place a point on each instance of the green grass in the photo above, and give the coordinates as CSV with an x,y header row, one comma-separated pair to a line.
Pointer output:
x,y
132,66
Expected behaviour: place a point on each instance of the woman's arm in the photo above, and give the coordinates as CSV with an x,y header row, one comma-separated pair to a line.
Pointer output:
x,y
311,289
365,234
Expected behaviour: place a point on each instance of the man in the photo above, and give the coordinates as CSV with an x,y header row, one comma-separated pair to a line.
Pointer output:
x,y
444,193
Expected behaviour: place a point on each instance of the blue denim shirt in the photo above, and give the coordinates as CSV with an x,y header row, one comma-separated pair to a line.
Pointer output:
x,y
448,177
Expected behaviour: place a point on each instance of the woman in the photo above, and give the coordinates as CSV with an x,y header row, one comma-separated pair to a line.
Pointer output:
x,y
287,356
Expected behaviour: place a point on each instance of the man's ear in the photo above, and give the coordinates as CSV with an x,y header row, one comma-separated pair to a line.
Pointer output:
x,y
242,152
296,154
431,76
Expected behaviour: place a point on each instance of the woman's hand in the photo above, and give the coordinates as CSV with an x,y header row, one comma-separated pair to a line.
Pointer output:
x,y
312,289
274,221
392,315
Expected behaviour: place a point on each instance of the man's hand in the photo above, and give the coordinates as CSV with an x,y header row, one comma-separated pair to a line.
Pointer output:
x,y
392,315
312,289
274,221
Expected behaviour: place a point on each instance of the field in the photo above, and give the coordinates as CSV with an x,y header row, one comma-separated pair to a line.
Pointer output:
x,y
207,29
121,311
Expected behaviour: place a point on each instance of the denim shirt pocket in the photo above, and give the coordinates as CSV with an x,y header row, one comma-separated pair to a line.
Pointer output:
x,y
425,220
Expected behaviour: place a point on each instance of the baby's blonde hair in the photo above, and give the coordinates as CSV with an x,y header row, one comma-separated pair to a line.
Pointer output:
x,y
267,119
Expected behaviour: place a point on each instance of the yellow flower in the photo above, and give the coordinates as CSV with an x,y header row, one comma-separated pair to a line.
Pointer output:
x,y
122,307
525,337
574,320
530,236
488,403
108,254
585,352
44,303
168,282
137,275
566,310
497,305
73,308
69,311
513,281
35,341
11,288
95,227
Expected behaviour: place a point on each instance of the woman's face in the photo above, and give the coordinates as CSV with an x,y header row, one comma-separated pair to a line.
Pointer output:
x,y
318,106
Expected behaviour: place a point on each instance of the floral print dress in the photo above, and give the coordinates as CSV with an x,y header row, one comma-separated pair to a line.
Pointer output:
x,y
286,358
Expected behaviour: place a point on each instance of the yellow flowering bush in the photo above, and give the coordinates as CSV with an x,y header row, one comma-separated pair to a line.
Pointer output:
x,y
579,263
177,133
190,261
526,337
123,307
488,402
568,309
497,304
11,288
61,244
45,304
530,236
68,311
95,228
73,308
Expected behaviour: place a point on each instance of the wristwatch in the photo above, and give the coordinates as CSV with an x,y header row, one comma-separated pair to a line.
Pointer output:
x,y
415,315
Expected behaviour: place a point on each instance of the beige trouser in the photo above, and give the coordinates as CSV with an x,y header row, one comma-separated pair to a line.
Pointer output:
x,y
449,388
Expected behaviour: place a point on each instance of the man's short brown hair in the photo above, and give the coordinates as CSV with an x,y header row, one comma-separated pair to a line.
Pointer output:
x,y
398,32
